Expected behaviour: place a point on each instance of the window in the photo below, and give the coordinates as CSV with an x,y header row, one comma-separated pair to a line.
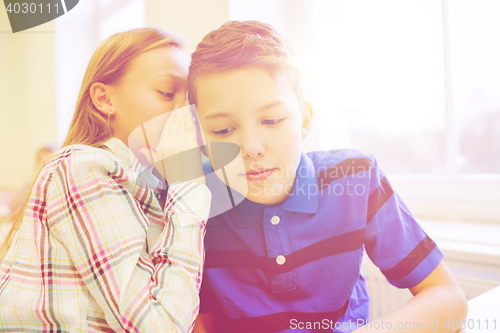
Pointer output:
x,y
475,82
379,81
415,82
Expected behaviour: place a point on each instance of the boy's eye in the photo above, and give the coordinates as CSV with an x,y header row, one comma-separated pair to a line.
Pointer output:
x,y
222,131
272,121
168,95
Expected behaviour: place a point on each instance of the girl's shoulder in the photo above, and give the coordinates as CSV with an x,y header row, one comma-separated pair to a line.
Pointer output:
x,y
106,164
80,153
79,160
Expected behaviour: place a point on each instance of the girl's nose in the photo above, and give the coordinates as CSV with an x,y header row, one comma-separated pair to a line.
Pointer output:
x,y
180,101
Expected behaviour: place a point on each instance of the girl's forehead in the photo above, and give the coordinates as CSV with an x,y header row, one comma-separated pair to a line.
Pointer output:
x,y
164,61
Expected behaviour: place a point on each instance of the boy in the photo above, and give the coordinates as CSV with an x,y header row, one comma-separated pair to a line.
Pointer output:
x,y
288,256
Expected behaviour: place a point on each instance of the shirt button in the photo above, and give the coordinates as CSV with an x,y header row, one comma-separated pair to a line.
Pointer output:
x,y
275,220
280,260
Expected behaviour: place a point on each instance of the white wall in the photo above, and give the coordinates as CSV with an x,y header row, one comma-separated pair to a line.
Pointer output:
x,y
189,19
27,99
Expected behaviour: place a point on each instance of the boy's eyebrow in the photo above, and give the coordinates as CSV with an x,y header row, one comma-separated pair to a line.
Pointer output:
x,y
216,115
270,105
260,109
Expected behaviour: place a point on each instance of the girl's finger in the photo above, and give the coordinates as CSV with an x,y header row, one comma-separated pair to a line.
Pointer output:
x,y
170,127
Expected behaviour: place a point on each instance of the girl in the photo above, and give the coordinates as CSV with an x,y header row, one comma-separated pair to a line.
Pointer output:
x,y
93,248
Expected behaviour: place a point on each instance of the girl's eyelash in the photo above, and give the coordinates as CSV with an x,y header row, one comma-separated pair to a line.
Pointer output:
x,y
167,94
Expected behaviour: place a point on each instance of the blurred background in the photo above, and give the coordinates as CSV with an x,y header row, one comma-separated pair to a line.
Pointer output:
x,y
415,82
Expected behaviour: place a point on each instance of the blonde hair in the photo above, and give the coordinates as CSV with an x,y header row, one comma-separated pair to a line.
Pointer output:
x,y
88,126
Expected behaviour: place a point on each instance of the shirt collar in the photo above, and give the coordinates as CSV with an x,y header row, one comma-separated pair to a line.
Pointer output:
x,y
122,152
303,198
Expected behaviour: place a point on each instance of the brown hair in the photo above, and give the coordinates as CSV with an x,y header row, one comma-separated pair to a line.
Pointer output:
x,y
88,126
239,44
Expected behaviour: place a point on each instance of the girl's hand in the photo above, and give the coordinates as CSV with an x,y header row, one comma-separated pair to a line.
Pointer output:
x,y
177,156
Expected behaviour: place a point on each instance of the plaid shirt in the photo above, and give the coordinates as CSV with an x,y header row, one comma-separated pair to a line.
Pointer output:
x,y
96,253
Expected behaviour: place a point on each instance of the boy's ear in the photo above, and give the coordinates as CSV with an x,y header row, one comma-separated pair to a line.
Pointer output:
x,y
100,94
307,116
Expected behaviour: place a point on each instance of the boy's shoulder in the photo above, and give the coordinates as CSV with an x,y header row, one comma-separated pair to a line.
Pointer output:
x,y
325,159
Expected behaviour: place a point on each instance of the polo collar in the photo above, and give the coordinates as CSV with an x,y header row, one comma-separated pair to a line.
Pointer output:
x,y
304,195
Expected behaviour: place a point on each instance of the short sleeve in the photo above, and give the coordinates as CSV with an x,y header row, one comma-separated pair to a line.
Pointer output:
x,y
395,242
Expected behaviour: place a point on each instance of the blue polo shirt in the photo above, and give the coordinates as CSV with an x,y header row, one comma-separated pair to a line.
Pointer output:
x,y
296,265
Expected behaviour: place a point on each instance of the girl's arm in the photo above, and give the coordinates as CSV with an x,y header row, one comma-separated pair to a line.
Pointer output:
x,y
140,288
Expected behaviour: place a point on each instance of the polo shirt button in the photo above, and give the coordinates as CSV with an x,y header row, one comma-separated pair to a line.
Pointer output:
x,y
280,260
275,220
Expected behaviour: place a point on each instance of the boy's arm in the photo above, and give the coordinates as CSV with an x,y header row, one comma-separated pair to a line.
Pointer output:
x,y
204,323
437,301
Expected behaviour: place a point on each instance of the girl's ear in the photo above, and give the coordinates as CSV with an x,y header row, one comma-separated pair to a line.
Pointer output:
x,y
100,94
307,116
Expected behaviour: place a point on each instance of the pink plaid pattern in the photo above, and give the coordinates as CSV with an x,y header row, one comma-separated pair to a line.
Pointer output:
x,y
96,252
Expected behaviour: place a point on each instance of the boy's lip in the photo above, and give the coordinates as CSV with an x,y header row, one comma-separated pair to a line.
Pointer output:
x,y
259,174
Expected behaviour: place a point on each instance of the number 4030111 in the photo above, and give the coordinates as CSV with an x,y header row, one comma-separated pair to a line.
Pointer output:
x,y
471,324
32,8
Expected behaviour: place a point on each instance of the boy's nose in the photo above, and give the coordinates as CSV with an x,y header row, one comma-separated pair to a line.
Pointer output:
x,y
251,147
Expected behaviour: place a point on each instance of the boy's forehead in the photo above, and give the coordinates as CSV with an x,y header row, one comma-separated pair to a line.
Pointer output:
x,y
223,80
250,87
